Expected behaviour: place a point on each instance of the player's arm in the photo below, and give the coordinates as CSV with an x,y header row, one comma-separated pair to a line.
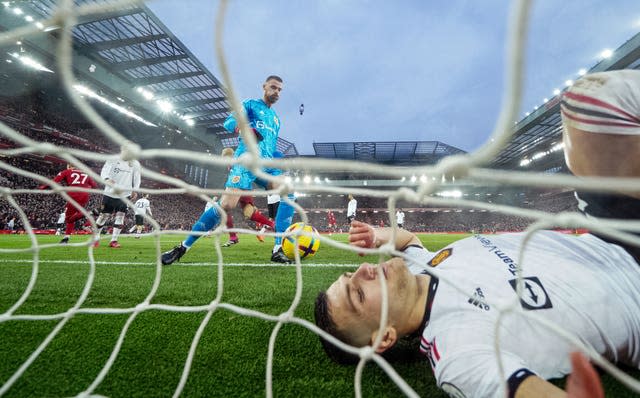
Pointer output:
x,y
105,173
231,124
583,382
364,235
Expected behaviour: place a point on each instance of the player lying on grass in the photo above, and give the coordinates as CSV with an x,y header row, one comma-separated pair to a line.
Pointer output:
x,y
588,286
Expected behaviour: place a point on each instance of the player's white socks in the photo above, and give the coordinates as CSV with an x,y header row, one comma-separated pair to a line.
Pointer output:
x,y
262,230
132,229
116,233
276,248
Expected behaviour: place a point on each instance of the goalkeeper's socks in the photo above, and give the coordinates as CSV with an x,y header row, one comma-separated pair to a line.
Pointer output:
x,y
276,248
284,216
207,221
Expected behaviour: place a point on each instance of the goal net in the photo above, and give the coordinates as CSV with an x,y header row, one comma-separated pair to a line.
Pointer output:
x,y
21,151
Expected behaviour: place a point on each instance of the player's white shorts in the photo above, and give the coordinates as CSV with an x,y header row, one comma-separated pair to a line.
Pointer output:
x,y
604,103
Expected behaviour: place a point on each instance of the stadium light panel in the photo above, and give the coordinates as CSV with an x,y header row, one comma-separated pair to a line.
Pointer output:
x,y
568,83
28,18
165,106
606,53
18,11
556,91
306,179
190,122
582,72
6,4
545,100
39,25
287,179
413,178
91,94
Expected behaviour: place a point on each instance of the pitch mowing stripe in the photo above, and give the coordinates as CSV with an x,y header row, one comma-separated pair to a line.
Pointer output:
x,y
178,264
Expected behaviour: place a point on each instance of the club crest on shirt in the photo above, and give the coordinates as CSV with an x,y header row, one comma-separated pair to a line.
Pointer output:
x,y
235,179
440,257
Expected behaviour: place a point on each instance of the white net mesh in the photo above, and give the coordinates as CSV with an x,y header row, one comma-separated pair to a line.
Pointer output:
x,y
468,166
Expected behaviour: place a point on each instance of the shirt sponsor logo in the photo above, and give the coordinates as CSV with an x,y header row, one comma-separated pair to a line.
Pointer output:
x,y
534,296
440,257
478,300
512,266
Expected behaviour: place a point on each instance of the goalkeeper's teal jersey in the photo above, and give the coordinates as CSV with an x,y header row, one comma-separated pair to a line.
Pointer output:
x,y
262,118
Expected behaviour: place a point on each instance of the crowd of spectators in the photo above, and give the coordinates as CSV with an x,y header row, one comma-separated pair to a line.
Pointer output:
x,y
179,211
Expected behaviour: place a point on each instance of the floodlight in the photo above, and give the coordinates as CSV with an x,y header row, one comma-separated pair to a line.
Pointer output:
x,y
18,11
165,106
582,72
568,83
607,53
306,179
190,122
28,18
556,91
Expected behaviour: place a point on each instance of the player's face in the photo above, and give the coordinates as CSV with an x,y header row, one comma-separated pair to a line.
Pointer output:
x,y
272,89
355,298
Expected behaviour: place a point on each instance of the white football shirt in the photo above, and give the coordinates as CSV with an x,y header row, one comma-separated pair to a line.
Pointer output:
x,y
400,217
582,284
124,174
271,199
62,217
351,208
142,206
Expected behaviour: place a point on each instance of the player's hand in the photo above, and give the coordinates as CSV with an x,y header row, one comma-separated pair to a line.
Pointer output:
x,y
362,235
583,381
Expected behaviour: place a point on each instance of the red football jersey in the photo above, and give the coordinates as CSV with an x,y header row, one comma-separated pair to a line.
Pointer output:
x,y
76,178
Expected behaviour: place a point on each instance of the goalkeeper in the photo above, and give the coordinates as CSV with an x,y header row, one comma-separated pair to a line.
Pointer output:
x,y
265,123
591,289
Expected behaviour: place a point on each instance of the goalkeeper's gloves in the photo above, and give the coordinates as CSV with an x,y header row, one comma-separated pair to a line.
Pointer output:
x,y
259,136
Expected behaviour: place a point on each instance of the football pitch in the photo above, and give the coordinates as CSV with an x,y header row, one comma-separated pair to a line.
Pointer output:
x,y
231,357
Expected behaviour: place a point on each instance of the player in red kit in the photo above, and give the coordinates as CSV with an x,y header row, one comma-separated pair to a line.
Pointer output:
x,y
331,221
73,177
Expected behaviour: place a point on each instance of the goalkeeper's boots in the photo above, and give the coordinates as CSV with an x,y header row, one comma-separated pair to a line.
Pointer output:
x,y
173,255
64,240
231,242
280,257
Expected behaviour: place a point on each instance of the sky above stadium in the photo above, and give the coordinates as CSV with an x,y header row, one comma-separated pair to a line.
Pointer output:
x,y
396,71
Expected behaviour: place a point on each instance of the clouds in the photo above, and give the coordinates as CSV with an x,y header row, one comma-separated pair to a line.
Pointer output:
x,y
407,70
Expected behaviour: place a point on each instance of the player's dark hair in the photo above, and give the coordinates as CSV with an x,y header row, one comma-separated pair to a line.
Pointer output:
x,y
326,323
405,350
274,77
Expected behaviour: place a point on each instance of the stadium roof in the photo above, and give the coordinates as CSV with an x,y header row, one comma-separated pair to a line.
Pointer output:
x,y
134,45
401,152
138,56
542,129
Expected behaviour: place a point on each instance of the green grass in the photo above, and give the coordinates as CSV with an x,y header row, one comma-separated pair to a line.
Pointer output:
x,y
231,357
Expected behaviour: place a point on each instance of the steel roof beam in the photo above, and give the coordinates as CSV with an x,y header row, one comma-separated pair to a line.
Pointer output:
x,y
120,66
191,104
146,81
117,43
101,16
181,91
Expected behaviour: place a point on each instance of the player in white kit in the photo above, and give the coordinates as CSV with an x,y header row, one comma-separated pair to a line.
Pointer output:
x,y
141,208
587,286
123,179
